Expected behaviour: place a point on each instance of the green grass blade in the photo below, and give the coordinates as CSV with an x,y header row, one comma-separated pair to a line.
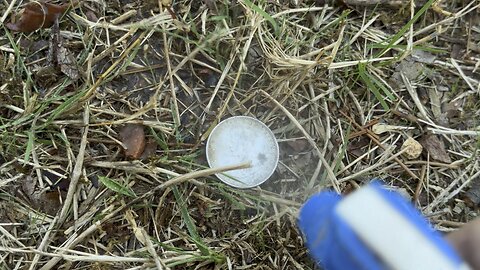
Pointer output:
x,y
264,14
382,86
117,187
160,139
69,103
343,151
403,47
17,122
192,260
29,147
236,203
405,28
192,229
371,85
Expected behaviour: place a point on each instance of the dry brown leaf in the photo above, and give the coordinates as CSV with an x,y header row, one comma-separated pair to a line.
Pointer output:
x,y
473,194
37,15
453,109
59,55
48,202
150,149
435,147
357,146
133,138
45,77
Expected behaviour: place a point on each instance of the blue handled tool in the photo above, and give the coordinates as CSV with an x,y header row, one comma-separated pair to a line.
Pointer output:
x,y
373,229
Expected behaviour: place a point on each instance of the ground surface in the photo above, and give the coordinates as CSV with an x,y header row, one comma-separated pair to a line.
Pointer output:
x,y
347,81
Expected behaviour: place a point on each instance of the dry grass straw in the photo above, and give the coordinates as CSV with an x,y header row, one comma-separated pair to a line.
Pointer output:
x,y
318,76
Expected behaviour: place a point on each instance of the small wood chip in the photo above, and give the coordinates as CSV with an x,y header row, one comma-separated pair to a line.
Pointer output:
x,y
381,128
414,148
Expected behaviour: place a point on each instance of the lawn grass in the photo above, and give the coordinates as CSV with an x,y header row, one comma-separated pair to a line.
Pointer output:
x,y
319,75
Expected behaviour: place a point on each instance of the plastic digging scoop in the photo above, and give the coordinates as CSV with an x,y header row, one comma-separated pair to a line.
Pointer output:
x,y
242,139
373,229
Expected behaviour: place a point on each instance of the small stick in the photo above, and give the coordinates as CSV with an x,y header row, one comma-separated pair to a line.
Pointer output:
x,y
418,190
415,98
364,129
408,117
374,166
174,181
396,3
371,135
77,170
450,223
176,113
42,245
9,9
329,170
453,165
